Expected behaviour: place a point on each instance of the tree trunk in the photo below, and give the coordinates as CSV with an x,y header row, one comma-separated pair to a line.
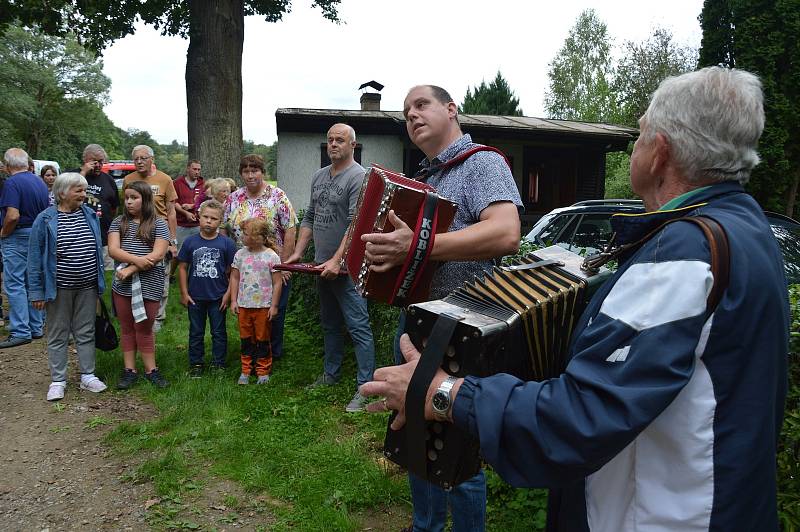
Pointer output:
x,y
791,194
214,85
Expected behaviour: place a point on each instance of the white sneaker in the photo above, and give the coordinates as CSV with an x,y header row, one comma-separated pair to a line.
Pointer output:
x,y
56,391
92,383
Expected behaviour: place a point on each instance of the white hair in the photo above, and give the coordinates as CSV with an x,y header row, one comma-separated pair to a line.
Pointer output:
x,y
94,149
142,147
65,182
713,119
16,159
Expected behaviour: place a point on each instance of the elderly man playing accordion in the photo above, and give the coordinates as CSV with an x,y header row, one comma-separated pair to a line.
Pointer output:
x,y
668,413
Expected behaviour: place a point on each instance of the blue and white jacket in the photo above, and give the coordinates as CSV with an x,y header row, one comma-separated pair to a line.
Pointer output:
x,y
42,254
670,415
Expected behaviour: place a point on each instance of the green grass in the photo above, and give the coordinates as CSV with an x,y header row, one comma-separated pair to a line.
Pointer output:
x,y
295,444
320,465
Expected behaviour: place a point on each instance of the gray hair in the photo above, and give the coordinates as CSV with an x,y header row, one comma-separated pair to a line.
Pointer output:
x,y
713,119
349,128
16,159
142,147
94,149
65,182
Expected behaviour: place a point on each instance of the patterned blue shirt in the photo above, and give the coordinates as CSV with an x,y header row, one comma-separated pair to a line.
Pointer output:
x,y
482,179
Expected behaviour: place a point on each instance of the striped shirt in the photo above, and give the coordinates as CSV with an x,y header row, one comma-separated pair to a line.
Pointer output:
x,y
153,279
76,256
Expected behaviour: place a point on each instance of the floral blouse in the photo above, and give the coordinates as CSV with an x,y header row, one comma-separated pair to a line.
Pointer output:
x,y
255,277
272,205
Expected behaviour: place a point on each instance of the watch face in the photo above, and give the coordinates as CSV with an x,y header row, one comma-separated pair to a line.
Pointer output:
x,y
441,401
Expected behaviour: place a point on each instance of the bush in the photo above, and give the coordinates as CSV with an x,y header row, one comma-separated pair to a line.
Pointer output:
x,y
789,443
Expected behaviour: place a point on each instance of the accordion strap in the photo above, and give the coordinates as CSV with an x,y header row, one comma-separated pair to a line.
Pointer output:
x,y
717,241
419,251
425,173
429,362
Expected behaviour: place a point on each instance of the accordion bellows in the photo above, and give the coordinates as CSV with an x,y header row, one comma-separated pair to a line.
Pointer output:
x,y
517,319
382,191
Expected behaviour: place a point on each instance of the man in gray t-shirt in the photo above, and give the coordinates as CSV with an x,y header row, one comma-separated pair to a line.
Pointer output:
x,y
334,194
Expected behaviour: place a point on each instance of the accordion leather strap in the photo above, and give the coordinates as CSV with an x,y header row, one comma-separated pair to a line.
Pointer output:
x,y
720,257
425,173
419,252
429,362
717,243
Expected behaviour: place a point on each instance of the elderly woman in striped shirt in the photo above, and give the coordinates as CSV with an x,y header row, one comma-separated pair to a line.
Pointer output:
x,y
65,276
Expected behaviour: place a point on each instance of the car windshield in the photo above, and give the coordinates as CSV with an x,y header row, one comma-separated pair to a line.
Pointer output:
x,y
788,237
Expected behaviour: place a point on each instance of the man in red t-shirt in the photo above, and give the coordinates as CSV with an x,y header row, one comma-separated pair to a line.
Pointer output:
x,y
187,187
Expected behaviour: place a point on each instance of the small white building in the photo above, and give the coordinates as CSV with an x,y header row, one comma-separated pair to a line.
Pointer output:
x,y
554,162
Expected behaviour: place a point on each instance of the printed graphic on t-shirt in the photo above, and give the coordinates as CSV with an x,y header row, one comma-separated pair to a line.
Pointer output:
x,y
156,189
205,262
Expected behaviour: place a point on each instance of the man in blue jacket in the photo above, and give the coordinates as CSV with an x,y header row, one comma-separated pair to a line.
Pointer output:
x,y
668,414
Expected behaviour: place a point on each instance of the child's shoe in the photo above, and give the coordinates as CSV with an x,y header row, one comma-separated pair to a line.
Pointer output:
x,y
196,371
128,379
243,379
156,379
263,379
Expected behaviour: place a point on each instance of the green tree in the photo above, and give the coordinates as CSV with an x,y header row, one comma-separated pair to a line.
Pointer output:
x,y
581,73
496,98
51,95
642,67
215,29
763,37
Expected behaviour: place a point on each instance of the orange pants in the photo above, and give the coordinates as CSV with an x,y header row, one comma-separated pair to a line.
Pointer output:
x,y
254,330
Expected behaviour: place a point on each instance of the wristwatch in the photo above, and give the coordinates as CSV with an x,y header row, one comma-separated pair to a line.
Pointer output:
x,y
173,242
441,401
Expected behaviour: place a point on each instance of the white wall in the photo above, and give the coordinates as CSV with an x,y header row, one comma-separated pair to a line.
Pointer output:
x,y
299,158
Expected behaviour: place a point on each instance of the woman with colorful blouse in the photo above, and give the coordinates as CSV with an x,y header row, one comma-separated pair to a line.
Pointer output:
x,y
259,199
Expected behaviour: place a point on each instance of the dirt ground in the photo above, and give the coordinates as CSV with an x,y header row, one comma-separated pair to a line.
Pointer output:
x,y
56,473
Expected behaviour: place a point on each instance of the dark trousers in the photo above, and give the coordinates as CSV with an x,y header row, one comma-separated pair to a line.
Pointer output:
x,y
276,341
197,330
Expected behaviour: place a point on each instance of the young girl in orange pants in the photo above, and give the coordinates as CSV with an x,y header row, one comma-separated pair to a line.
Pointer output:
x,y
255,293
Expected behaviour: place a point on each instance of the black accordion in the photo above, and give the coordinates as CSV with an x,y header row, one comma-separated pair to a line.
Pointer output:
x,y
518,319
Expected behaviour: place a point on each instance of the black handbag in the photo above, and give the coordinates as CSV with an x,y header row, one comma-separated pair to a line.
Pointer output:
x,y
105,335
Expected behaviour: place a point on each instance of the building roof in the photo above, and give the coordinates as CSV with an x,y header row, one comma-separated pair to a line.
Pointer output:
x,y
517,127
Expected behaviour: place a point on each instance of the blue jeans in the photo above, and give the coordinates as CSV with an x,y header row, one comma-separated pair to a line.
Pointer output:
x,y
340,304
197,331
467,505
467,500
276,340
24,321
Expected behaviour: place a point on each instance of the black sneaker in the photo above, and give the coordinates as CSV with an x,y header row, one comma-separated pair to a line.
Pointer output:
x,y
156,379
196,371
128,379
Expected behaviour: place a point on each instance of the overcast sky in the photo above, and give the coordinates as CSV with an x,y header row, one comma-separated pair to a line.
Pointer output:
x,y
307,61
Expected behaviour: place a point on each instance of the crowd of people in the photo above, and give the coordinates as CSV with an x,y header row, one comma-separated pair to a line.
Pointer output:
x,y
662,420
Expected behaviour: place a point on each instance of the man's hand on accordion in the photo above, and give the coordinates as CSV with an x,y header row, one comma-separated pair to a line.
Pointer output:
x,y
387,250
391,382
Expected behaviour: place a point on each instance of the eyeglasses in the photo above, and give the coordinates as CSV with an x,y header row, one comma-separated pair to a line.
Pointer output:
x,y
141,159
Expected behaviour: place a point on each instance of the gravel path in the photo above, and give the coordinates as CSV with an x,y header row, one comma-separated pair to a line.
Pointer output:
x,y
55,472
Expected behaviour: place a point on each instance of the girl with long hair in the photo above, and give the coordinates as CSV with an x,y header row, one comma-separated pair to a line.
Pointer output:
x,y
138,241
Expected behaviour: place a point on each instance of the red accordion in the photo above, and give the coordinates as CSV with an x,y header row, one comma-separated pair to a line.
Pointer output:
x,y
426,213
